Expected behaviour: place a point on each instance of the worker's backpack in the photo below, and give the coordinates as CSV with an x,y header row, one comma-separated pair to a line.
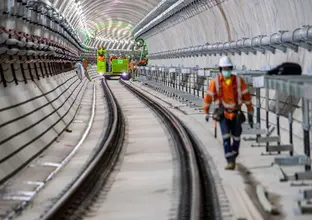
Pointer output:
x,y
286,69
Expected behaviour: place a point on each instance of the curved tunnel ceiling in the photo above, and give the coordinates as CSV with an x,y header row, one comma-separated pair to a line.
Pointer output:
x,y
105,20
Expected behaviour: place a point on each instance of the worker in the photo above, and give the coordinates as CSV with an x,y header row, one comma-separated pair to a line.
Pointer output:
x,y
85,63
229,92
131,64
144,62
101,58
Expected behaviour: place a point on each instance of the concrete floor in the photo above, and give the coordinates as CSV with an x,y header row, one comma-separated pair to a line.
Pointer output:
x,y
60,150
232,182
142,185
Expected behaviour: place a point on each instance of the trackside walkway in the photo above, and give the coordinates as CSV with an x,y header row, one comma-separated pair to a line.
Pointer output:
x,y
236,199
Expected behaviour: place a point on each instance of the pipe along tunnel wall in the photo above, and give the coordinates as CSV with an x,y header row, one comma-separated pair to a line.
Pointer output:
x,y
233,20
33,115
243,18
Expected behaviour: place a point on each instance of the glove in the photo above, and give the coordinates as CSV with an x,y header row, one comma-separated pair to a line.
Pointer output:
x,y
250,119
207,117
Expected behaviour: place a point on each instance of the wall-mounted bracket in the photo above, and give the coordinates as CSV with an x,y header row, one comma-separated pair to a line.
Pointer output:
x,y
292,46
292,161
280,148
238,46
307,175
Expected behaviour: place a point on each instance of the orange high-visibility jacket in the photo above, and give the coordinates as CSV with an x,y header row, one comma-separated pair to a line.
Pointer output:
x,y
231,96
85,64
101,59
131,65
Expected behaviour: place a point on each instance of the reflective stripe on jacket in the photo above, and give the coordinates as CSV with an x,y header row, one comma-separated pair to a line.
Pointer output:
x,y
232,96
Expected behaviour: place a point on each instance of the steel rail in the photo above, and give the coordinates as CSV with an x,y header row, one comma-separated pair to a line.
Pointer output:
x,y
210,204
79,196
189,207
199,198
23,205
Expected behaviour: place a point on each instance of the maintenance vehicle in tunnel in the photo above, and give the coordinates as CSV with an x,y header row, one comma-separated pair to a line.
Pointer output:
x,y
113,66
119,67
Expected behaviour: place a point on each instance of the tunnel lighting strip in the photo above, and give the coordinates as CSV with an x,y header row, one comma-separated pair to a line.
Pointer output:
x,y
174,8
198,6
160,8
124,14
283,40
186,13
105,33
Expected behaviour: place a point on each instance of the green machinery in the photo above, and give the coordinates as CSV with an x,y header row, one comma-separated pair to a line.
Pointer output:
x,y
120,66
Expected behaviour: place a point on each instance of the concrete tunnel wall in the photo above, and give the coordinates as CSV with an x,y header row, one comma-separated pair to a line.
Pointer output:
x,y
231,21
25,131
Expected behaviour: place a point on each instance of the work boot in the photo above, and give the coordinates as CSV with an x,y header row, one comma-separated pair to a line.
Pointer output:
x,y
230,166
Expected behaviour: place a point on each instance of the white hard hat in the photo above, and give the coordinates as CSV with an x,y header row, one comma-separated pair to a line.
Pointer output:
x,y
225,62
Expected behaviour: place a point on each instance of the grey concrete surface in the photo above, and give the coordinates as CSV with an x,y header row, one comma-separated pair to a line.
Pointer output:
x,y
233,20
241,205
142,186
19,146
60,150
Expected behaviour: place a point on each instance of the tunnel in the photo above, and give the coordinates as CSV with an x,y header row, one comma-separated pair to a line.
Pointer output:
x,y
77,144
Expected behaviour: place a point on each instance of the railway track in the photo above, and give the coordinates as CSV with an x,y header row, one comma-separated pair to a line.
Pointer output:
x,y
73,203
197,196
